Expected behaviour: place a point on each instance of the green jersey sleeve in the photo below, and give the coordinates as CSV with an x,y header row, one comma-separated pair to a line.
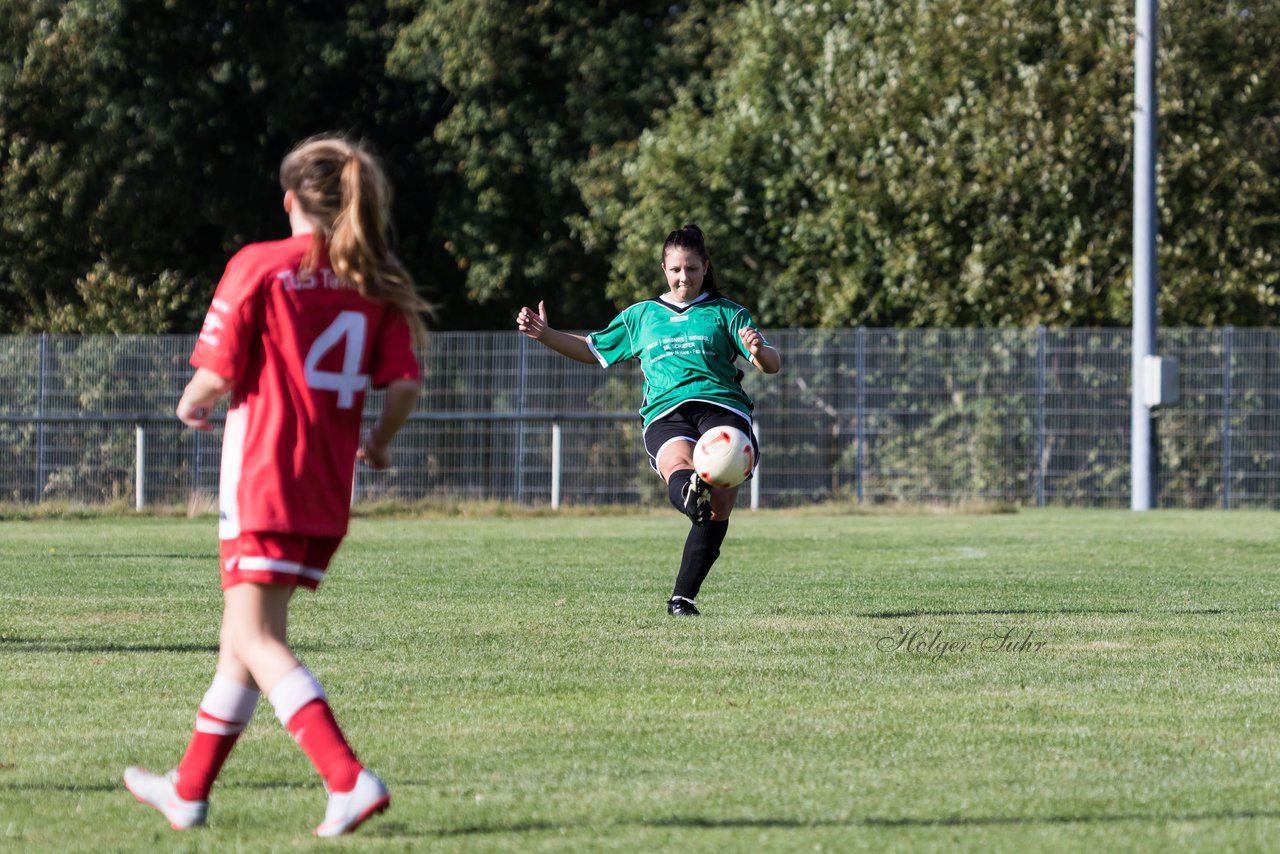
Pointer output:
x,y
741,320
615,343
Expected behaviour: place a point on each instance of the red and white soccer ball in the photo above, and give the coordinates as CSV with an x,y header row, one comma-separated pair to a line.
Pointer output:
x,y
723,456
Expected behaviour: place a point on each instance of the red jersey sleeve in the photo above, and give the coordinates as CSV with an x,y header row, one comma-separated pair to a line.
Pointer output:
x,y
393,356
228,330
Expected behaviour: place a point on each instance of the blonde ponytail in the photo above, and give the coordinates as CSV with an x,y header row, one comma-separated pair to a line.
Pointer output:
x,y
344,191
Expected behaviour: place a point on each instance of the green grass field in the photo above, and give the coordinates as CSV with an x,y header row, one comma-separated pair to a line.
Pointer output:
x,y
1046,680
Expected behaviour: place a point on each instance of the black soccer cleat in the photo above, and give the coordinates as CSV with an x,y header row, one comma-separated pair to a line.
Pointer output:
x,y
678,607
697,500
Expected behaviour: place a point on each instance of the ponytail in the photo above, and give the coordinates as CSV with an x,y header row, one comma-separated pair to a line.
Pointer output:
x,y
689,237
344,191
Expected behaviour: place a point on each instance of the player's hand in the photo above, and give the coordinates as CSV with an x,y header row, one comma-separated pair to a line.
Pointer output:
x,y
201,394
375,456
751,339
533,324
195,413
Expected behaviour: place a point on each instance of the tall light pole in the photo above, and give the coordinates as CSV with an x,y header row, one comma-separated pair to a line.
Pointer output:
x,y
1145,222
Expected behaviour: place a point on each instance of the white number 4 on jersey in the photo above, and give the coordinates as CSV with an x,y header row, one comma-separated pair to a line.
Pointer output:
x,y
348,330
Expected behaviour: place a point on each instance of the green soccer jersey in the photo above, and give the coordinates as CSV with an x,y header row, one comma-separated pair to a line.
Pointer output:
x,y
686,353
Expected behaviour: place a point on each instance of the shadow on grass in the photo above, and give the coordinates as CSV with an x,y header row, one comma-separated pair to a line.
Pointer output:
x,y
63,787
118,785
999,612
13,645
209,556
393,829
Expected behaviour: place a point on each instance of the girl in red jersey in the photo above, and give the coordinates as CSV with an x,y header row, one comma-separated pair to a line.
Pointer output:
x,y
297,330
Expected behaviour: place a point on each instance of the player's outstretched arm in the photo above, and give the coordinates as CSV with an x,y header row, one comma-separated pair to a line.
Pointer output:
x,y
199,397
397,406
763,356
534,324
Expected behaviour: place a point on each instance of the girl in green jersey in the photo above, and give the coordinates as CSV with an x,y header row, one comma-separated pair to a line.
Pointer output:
x,y
688,341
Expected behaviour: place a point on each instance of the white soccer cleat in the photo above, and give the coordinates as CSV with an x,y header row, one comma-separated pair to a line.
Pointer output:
x,y
348,810
159,791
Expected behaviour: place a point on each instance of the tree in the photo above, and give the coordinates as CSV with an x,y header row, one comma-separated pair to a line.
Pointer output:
x,y
543,97
967,163
140,141
951,162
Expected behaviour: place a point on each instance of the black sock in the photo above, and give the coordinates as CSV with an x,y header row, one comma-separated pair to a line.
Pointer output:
x,y
701,549
676,483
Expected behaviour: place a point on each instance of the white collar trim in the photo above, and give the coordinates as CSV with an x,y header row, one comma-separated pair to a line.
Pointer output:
x,y
669,301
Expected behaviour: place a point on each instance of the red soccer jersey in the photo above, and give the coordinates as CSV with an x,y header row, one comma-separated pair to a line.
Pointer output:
x,y
301,350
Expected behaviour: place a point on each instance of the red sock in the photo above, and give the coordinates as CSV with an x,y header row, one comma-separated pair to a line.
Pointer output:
x,y
319,736
224,713
201,763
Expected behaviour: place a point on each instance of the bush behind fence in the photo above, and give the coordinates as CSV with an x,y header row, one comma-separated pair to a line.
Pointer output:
x,y
1031,416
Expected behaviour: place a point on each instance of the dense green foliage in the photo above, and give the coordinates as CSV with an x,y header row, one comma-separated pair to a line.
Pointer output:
x,y
950,162
548,97
964,162
139,142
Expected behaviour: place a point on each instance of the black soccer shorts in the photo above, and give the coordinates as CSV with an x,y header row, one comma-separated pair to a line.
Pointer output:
x,y
690,420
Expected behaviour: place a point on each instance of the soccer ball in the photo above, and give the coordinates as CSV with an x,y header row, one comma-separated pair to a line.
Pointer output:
x,y
723,456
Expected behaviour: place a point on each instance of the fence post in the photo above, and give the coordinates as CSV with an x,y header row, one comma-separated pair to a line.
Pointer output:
x,y
1227,335
355,483
755,472
195,462
860,404
520,389
140,467
44,346
555,465
1041,439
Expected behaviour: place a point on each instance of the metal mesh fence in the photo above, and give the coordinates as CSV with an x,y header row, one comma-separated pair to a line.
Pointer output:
x,y
1033,416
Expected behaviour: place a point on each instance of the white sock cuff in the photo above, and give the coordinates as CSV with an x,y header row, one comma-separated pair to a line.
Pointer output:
x,y
228,700
294,690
